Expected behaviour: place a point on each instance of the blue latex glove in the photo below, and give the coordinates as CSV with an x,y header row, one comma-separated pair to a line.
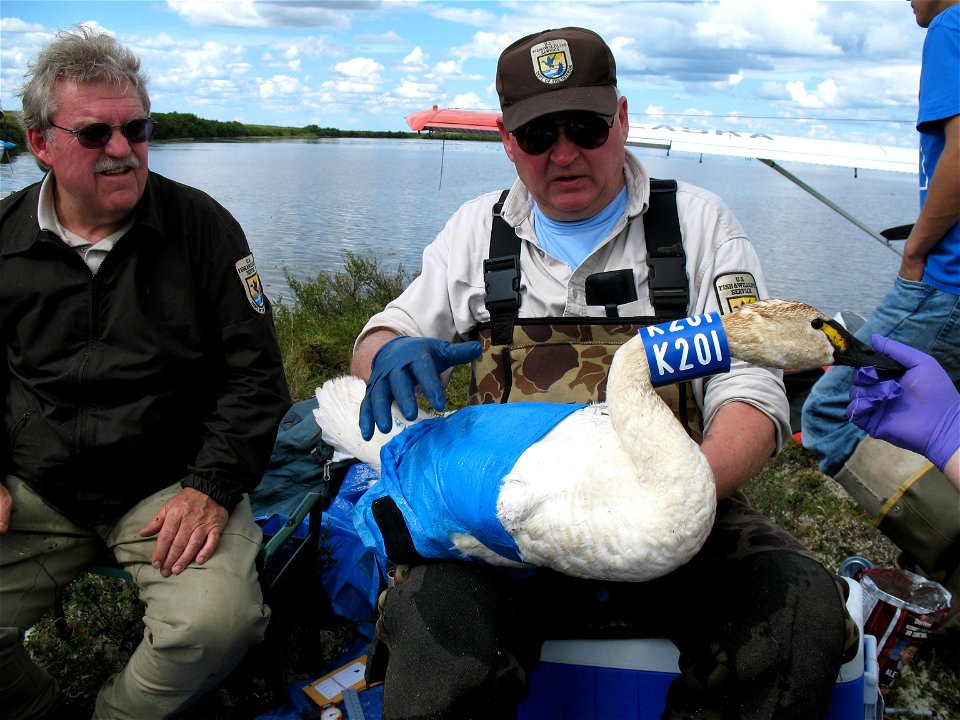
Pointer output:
x,y
920,412
399,367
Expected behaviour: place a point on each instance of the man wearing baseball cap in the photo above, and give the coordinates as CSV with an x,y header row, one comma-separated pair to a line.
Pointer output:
x,y
761,625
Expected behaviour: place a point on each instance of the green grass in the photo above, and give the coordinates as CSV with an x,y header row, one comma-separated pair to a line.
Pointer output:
x,y
102,625
89,637
793,493
328,311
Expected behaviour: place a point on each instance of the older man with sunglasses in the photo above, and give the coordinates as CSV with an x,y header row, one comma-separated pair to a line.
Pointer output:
x,y
761,625
141,385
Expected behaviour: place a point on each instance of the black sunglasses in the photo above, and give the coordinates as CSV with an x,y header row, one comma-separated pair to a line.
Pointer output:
x,y
589,131
97,135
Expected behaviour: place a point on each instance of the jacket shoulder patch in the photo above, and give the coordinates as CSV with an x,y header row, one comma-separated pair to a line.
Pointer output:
x,y
735,289
252,287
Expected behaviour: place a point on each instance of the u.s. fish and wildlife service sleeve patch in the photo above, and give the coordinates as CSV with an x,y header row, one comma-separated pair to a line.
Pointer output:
x,y
247,270
735,289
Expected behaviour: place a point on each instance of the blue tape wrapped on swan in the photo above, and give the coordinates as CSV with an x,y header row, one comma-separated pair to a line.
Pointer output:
x,y
456,492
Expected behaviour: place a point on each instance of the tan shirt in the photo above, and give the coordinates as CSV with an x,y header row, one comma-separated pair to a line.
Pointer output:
x,y
446,300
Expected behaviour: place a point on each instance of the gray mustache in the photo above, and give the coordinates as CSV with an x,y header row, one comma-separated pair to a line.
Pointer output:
x,y
113,164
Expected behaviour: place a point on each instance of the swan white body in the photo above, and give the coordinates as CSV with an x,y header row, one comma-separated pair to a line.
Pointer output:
x,y
616,491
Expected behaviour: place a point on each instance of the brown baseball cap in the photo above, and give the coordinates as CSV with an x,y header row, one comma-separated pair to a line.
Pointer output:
x,y
553,71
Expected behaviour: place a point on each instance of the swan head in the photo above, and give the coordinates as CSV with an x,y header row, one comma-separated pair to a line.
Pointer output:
x,y
789,334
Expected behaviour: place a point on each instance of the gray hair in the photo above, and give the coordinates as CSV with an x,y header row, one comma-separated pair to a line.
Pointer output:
x,y
80,55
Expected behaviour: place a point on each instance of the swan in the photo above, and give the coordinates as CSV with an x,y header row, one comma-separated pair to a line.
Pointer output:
x,y
614,491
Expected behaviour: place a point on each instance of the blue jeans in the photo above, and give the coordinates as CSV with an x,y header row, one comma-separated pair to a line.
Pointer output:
x,y
913,313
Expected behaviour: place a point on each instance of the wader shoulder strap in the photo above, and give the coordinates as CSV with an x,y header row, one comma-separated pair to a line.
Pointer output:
x,y
669,288
501,276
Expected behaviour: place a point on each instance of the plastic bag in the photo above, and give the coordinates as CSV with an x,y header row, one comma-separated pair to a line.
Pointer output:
x,y
900,609
353,581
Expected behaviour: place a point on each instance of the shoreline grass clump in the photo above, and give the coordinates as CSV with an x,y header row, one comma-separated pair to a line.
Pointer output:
x,y
327,313
316,332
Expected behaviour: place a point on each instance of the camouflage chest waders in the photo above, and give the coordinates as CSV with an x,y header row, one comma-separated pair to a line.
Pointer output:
x,y
567,359
564,360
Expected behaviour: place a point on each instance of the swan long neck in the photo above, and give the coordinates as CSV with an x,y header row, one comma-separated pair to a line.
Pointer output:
x,y
645,424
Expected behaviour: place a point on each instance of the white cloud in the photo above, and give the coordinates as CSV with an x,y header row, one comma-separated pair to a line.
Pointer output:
x,y
485,45
16,25
448,68
311,46
223,87
416,61
279,86
416,89
465,16
388,38
360,68
468,101
826,94
240,13
254,14
352,86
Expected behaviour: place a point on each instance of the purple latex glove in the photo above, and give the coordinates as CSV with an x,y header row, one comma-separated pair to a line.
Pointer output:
x,y
920,412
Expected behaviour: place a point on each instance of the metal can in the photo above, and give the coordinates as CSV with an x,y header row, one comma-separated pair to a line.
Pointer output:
x,y
330,712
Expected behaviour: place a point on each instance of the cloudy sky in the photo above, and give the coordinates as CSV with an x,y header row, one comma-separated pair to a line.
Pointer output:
x,y
838,69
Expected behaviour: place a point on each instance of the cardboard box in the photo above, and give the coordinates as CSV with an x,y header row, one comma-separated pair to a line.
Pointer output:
x,y
329,688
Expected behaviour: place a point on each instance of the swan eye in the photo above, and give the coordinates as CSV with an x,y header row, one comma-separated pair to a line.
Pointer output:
x,y
817,324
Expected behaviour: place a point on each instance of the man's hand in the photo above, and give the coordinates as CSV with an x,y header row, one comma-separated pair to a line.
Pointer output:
x,y
188,528
911,268
398,368
6,507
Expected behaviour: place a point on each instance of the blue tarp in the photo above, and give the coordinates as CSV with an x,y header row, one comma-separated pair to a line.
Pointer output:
x,y
445,473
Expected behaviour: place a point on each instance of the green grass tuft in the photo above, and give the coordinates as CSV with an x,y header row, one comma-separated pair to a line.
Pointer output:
x,y
328,312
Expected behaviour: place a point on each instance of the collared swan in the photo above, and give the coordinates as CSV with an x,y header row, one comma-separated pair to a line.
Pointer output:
x,y
614,491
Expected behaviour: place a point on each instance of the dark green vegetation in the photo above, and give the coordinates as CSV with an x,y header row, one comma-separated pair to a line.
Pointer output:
x,y
187,126
176,126
100,624
327,313
11,131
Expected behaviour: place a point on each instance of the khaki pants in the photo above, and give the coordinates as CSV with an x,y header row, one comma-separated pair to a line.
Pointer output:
x,y
198,625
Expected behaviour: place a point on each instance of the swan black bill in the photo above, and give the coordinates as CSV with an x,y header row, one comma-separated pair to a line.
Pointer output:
x,y
848,350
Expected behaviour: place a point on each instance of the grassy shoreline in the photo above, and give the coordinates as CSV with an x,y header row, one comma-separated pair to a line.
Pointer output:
x,y
101,621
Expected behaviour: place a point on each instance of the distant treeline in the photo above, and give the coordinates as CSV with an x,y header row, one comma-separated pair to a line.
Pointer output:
x,y
174,126
187,126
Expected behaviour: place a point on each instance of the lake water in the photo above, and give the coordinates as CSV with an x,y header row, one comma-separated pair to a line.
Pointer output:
x,y
302,203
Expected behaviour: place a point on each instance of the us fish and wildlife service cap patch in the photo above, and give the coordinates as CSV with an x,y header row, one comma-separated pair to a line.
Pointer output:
x,y
552,61
247,270
735,289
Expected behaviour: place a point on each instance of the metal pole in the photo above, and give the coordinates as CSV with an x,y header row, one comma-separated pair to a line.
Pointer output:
x,y
829,203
